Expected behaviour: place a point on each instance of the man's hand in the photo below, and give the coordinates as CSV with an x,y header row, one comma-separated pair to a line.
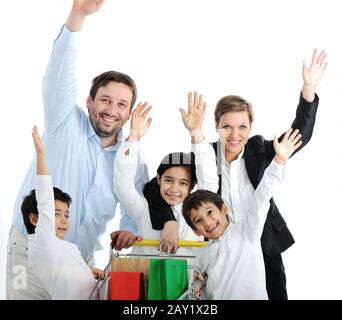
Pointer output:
x,y
80,9
313,74
123,239
284,149
169,235
86,7
193,120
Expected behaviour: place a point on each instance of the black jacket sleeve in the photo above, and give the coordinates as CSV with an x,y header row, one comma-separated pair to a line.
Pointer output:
x,y
305,120
276,237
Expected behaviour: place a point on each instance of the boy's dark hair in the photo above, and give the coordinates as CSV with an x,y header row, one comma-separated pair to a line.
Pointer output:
x,y
113,76
196,199
179,159
29,205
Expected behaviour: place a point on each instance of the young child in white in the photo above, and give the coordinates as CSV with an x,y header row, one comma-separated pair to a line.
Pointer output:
x,y
233,258
56,262
176,174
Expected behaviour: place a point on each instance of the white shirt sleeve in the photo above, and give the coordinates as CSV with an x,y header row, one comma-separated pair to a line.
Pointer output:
x,y
201,262
125,166
42,248
206,169
257,212
140,179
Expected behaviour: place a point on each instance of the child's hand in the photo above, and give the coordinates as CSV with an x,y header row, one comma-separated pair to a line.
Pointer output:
x,y
38,144
98,273
193,120
284,149
169,235
139,124
197,289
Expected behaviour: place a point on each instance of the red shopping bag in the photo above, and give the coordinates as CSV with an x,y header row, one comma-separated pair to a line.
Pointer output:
x,y
133,265
125,286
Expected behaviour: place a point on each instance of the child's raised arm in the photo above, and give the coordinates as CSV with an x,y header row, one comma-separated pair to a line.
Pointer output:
x,y
272,178
193,120
284,149
125,166
139,124
42,168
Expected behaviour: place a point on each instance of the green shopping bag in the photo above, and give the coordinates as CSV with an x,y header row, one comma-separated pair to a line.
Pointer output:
x,y
168,279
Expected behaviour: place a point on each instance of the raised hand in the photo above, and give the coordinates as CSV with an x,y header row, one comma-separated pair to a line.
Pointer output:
x,y
284,149
139,124
87,7
38,144
80,9
193,120
42,168
313,74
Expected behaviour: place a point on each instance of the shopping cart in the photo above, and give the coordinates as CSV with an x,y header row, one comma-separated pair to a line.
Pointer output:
x,y
195,289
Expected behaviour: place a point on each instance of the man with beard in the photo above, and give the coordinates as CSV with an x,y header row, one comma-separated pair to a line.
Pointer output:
x,y
80,154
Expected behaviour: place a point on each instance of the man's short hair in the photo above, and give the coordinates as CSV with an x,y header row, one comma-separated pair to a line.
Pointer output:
x,y
113,76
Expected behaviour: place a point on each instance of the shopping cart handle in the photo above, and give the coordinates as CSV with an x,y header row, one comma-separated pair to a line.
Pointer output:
x,y
181,243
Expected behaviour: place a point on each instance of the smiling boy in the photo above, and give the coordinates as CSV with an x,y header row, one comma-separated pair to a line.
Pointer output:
x,y
233,259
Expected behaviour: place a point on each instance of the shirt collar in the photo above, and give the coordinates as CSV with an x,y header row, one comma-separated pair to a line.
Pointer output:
x,y
225,162
178,207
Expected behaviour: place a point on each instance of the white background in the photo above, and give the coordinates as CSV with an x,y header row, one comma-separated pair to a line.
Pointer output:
x,y
251,48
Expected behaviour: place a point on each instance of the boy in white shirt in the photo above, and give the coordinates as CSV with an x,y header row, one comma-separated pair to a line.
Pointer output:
x,y
233,259
176,175
57,263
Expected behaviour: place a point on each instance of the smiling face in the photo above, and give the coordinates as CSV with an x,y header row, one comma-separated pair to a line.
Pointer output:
x,y
110,109
209,220
175,184
61,218
233,129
